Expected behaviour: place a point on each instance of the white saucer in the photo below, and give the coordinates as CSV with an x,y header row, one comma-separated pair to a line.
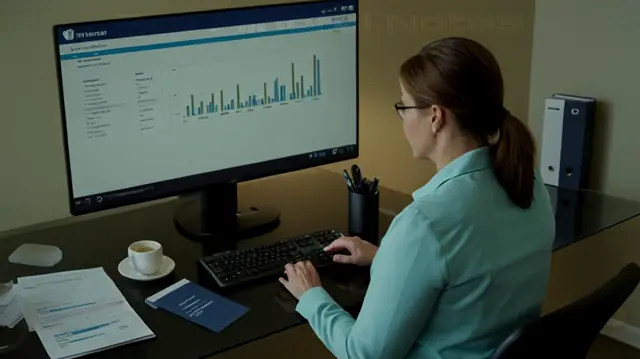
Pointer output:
x,y
165,269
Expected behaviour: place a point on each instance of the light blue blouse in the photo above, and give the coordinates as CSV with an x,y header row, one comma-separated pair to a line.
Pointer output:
x,y
458,270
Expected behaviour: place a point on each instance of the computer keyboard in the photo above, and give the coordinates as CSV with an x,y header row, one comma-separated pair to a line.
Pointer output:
x,y
236,267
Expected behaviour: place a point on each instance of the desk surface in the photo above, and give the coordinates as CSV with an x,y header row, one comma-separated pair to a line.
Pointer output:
x,y
309,200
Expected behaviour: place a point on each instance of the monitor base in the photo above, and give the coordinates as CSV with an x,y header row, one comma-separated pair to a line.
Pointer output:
x,y
215,216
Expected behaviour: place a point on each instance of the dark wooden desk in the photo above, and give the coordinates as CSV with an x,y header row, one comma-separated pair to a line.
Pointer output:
x,y
309,200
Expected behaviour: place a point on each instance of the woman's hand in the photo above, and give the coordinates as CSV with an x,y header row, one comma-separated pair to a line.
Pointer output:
x,y
302,276
360,252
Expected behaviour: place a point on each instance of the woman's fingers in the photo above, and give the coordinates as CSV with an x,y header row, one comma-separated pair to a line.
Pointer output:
x,y
341,258
289,270
339,244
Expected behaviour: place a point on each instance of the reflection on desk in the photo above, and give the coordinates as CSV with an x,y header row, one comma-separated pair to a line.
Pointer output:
x,y
581,214
309,200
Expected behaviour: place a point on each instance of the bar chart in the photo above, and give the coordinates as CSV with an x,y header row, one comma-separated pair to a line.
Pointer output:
x,y
277,91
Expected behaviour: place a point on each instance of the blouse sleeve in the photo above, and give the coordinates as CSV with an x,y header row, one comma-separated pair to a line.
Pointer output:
x,y
407,276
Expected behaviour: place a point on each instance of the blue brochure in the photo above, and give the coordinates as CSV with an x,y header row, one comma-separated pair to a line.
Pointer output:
x,y
198,305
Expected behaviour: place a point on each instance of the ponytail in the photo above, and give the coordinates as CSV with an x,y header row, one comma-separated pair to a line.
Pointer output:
x,y
513,161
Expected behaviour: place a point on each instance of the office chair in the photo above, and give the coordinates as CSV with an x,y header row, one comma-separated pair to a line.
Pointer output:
x,y
569,332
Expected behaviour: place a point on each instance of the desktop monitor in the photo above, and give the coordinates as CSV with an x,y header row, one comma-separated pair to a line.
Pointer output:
x,y
193,103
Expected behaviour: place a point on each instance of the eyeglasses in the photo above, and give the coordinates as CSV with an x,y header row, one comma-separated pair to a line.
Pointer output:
x,y
400,108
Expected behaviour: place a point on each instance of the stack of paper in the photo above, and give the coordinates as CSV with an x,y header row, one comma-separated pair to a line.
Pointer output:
x,y
79,312
10,311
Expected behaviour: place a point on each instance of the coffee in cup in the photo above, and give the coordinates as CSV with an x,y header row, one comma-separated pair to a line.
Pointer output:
x,y
146,256
142,249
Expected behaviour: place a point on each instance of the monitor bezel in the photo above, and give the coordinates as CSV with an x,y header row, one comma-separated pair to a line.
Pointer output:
x,y
199,182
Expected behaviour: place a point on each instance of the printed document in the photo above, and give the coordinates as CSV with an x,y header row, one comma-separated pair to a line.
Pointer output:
x,y
79,312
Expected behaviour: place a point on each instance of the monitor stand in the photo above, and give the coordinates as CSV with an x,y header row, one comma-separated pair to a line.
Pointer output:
x,y
214,214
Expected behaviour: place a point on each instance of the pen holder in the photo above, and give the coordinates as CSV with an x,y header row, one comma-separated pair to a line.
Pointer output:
x,y
364,216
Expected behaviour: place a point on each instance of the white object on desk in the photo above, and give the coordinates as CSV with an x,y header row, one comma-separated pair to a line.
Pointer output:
x,y
146,257
6,293
39,255
79,312
128,271
10,309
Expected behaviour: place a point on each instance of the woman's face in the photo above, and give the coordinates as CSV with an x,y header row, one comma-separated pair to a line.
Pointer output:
x,y
417,125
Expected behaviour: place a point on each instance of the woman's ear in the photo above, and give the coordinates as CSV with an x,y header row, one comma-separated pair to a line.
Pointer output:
x,y
437,118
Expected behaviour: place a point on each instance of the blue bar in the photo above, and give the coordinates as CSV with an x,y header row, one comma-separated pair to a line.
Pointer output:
x,y
193,107
276,91
188,113
53,310
309,93
255,102
197,21
263,101
232,105
318,75
216,109
166,45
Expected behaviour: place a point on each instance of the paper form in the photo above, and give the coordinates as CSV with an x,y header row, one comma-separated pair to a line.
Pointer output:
x,y
79,312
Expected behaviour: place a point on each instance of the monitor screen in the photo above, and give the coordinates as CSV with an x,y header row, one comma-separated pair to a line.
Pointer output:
x,y
158,106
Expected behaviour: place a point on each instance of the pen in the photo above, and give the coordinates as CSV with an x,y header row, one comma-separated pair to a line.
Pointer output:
x,y
357,177
349,182
365,185
374,185
369,185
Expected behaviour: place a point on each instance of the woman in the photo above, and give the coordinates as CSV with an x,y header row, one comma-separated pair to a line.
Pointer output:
x,y
467,262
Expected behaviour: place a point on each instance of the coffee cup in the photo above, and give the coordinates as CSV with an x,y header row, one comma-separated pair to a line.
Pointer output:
x,y
146,256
